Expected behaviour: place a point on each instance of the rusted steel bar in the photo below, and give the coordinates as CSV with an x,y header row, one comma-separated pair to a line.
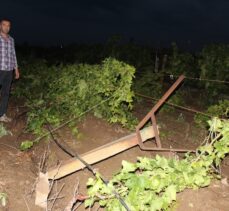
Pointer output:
x,y
91,157
157,137
161,101
151,116
156,149
99,154
110,149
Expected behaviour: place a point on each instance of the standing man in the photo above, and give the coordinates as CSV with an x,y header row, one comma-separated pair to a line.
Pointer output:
x,y
8,63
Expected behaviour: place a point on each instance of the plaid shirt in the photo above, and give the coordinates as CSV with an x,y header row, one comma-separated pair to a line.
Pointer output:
x,y
8,60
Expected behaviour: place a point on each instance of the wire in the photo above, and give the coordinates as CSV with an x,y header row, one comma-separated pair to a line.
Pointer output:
x,y
175,105
198,79
74,118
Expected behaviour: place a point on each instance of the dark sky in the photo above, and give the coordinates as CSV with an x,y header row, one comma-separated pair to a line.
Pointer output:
x,y
51,22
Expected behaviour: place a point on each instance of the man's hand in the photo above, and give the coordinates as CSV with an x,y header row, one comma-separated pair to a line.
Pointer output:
x,y
17,74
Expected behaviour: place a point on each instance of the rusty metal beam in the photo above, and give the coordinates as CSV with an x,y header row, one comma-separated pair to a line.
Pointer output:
x,y
151,116
108,150
99,154
91,157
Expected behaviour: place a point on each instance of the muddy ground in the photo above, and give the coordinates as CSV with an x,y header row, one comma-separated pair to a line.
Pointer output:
x,y
19,170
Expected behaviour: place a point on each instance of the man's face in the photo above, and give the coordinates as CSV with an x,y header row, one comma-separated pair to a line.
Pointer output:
x,y
5,27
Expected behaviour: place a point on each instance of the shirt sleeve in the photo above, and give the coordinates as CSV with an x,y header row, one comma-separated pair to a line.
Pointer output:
x,y
14,56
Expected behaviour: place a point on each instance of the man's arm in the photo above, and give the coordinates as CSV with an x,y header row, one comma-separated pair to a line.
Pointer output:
x,y
17,73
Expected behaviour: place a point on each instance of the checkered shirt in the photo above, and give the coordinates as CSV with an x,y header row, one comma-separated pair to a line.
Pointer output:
x,y
8,60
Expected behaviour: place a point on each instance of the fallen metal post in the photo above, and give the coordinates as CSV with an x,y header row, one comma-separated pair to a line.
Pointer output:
x,y
108,150
72,165
151,116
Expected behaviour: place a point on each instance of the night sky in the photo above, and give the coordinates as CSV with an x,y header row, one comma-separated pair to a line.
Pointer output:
x,y
154,22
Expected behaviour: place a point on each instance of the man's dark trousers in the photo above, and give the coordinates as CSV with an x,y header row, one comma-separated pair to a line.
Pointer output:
x,y
5,83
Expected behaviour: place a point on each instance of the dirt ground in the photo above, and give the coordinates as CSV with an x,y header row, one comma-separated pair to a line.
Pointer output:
x,y
19,170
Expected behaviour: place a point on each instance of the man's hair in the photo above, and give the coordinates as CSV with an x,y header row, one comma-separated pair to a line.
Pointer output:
x,y
5,19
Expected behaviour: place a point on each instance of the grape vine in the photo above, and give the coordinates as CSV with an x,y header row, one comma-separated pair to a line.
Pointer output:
x,y
153,183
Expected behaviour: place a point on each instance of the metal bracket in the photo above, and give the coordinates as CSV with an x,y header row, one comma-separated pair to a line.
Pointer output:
x,y
151,116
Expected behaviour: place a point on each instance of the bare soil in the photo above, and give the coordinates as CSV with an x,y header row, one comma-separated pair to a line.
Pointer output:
x,y
19,170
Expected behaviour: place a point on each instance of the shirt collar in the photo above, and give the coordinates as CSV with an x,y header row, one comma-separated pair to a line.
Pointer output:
x,y
9,37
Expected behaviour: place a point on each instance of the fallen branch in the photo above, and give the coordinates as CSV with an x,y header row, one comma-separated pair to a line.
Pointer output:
x,y
26,203
74,198
57,196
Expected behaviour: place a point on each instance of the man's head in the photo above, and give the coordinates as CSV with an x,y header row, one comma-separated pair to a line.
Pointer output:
x,y
5,26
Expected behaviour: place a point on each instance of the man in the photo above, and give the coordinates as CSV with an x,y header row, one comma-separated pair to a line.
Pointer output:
x,y
8,63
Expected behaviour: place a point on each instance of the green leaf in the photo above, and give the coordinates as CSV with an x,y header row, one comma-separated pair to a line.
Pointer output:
x,y
128,167
170,193
89,202
4,131
26,145
3,199
156,204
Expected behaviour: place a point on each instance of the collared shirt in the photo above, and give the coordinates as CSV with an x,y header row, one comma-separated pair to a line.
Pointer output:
x,y
8,60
